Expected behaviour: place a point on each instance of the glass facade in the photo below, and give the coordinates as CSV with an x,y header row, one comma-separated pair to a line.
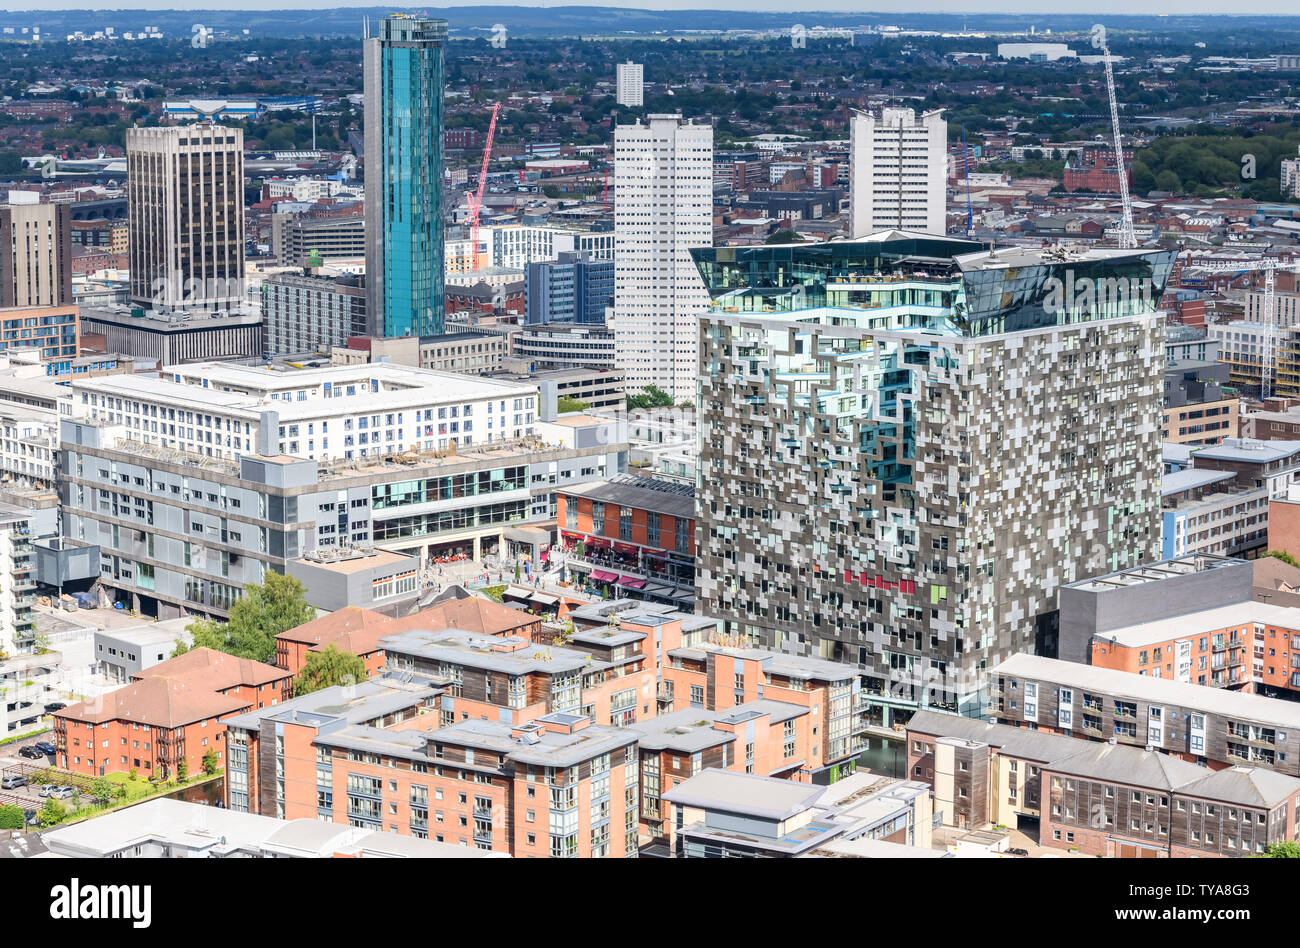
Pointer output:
x,y
938,285
410,166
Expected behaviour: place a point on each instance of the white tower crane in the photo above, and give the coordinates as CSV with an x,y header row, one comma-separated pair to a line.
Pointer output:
x,y
1267,316
1127,236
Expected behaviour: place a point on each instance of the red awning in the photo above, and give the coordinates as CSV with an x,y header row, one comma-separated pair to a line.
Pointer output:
x,y
625,548
595,541
631,582
600,576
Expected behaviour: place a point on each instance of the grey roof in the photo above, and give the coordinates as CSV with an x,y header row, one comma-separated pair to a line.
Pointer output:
x,y
512,655
1233,704
1190,478
645,493
768,798
686,731
1017,741
1247,786
1249,449
1127,765
547,748
345,704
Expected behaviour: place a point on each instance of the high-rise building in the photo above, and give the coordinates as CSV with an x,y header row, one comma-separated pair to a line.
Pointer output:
x,y
404,232
185,196
37,269
663,207
572,289
898,166
907,444
631,85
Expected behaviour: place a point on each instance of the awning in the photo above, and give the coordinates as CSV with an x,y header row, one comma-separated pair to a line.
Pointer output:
x,y
545,599
631,582
600,576
519,592
625,548
595,541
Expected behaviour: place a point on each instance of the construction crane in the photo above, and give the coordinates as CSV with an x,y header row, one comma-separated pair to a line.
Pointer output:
x,y
476,202
1267,316
1127,236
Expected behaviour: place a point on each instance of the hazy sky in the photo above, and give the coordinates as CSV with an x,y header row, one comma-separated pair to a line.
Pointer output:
x,y
866,7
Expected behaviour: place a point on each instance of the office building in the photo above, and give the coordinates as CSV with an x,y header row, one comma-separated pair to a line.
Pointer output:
x,y
185,198
404,226
174,338
898,168
184,519
663,207
571,289
631,85
907,446
17,591
565,346
37,270
296,240
122,655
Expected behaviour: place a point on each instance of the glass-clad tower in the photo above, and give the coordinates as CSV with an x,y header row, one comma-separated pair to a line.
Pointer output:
x,y
908,443
404,232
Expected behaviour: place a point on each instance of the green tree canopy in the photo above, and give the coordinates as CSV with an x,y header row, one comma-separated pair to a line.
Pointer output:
x,y
1285,850
564,404
784,237
265,610
327,668
11,817
653,397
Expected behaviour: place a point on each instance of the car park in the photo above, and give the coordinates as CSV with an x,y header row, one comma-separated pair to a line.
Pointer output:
x,y
45,789
63,793
13,782
45,747
31,753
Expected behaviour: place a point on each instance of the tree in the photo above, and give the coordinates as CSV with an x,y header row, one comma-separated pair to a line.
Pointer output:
x,y
210,760
565,404
265,610
1284,556
182,770
11,817
784,237
653,397
51,813
103,789
327,668
1286,850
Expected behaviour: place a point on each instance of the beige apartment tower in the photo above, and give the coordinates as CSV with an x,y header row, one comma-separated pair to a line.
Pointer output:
x,y
185,199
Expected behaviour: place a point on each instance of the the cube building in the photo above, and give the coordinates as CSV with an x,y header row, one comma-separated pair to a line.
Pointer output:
x,y
908,442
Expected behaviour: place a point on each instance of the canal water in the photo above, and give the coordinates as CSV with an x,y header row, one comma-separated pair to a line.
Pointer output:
x,y
209,793
884,756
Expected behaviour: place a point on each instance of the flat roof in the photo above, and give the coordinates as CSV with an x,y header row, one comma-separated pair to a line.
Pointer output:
x,y
768,798
1249,449
1190,478
1191,624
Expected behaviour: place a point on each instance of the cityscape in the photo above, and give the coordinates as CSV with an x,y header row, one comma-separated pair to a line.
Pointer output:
x,y
592,432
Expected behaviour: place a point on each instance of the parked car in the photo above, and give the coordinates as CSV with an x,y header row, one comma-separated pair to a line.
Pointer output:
x,y
55,706
13,783
62,793
31,753
45,747
45,789
1018,852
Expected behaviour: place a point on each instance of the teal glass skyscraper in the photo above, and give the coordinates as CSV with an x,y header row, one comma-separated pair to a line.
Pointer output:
x,y
404,230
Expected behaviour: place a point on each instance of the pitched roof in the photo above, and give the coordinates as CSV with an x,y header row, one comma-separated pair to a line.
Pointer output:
x,y
358,627
482,616
1247,786
158,702
1128,765
216,671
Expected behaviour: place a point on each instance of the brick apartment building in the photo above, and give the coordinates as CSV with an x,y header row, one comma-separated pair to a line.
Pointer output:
x,y
172,711
1103,799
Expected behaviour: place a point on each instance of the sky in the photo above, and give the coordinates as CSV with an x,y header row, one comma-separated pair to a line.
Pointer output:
x,y
866,7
